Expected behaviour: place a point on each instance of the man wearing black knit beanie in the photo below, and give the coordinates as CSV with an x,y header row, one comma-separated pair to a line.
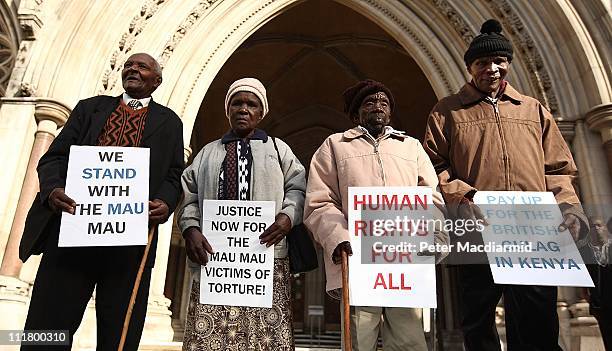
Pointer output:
x,y
490,137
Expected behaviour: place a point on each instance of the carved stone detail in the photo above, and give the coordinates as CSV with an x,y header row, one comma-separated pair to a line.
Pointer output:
x,y
568,130
523,42
417,40
380,8
15,288
456,20
126,43
194,15
216,49
8,54
513,25
30,18
26,90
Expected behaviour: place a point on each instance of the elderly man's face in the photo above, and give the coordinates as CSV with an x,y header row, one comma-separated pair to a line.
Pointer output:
x,y
245,112
140,76
488,73
374,113
598,226
599,233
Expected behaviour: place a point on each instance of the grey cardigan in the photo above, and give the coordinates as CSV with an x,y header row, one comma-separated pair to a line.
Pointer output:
x,y
269,182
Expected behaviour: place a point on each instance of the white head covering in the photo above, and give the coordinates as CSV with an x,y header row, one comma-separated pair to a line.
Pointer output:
x,y
251,85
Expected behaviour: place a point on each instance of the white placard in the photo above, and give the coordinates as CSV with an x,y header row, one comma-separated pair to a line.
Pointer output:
x,y
386,227
529,221
110,186
240,272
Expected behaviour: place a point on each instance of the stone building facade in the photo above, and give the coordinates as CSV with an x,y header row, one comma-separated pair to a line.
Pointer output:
x,y
55,52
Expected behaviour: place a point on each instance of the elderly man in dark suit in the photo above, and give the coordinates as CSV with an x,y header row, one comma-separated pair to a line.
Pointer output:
x,y
67,277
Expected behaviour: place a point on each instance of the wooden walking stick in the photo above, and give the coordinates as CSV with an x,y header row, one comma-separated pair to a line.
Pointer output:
x,y
346,309
128,315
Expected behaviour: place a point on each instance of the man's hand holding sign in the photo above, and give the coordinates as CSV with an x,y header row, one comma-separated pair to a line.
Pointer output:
x,y
528,244
158,212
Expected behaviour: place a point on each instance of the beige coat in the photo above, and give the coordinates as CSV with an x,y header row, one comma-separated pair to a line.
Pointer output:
x,y
513,145
354,158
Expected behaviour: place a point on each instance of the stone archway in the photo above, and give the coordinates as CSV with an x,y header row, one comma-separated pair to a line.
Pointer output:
x,y
194,40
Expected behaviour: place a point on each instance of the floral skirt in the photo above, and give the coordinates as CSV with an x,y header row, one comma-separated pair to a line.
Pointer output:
x,y
236,328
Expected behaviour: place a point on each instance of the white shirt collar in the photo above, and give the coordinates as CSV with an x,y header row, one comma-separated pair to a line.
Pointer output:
x,y
386,131
145,101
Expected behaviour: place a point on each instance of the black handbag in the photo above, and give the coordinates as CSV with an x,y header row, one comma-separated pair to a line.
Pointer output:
x,y
302,253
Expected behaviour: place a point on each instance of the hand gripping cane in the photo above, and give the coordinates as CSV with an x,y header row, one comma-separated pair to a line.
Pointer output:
x,y
128,314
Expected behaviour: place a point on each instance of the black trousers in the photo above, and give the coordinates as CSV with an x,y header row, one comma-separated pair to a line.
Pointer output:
x,y
531,313
65,282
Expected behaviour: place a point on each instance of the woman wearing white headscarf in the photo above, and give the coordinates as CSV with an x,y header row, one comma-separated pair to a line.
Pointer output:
x,y
242,165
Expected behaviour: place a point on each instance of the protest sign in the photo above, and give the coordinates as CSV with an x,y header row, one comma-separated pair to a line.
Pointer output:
x,y
240,271
388,226
525,246
110,186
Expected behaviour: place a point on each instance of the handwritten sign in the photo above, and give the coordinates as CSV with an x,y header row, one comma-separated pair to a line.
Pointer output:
x,y
110,186
388,226
240,271
530,221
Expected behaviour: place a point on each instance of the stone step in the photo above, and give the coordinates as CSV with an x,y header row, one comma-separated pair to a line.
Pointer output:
x,y
329,340
178,346
303,342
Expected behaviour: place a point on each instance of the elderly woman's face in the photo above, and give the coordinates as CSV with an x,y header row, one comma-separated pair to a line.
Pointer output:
x,y
245,112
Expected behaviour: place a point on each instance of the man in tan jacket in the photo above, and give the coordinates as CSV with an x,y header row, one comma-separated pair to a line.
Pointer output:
x,y
371,154
490,137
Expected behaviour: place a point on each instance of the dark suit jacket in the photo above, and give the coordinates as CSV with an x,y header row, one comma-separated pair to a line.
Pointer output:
x,y
163,135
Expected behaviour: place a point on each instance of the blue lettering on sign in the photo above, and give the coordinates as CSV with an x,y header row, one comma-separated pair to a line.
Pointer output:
x,y
547,263
108,173
120,209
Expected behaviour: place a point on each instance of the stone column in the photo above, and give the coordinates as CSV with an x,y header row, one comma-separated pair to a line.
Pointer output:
x,y
17,129
585,333
50,115
565,296
158,322
14,292
186,283
599,119
596,196
594,177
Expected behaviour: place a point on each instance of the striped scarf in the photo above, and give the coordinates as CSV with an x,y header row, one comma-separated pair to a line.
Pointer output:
x,y
235,175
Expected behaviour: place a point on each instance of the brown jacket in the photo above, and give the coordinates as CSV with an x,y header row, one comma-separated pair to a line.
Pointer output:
x,y
350,159
514,145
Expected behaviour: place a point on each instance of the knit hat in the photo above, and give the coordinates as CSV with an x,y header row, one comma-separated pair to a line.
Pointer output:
x,y
251,85
490,42
353,96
